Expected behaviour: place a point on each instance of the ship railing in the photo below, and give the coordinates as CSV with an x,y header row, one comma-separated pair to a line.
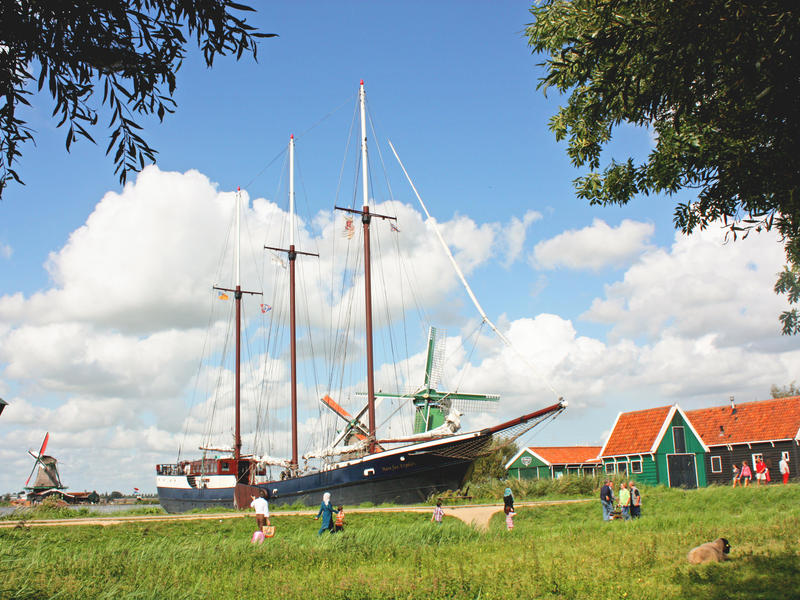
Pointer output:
x,y
168,469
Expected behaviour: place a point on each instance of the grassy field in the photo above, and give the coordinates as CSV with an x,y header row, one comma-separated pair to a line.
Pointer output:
x,y
553,552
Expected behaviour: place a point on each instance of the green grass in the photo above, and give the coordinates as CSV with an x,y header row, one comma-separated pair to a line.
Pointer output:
x,y
553,552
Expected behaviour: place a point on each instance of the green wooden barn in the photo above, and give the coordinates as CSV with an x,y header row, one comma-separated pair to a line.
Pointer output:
x,y
656,446
552,462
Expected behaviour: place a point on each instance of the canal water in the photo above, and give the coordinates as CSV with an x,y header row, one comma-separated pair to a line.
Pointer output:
x,y
98,508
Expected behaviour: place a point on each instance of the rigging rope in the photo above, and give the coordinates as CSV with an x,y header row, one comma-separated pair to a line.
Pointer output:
x,y
483,314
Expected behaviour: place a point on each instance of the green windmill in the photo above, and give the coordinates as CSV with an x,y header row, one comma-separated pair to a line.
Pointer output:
x,y
431,407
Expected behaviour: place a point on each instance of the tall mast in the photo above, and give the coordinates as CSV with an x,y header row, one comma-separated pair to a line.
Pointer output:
x,y
292,324
237,446
238,292
365,219
292,254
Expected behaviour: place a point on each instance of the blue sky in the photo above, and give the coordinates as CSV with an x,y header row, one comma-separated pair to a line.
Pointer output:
x,y
619,311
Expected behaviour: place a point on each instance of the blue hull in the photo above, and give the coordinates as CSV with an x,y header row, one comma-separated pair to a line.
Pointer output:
x,y
401,476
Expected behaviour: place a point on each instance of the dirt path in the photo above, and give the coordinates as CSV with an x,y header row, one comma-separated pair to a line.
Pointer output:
x,y
477,515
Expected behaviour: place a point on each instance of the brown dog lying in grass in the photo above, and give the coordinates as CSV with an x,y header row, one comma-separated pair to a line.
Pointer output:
x,y
715,551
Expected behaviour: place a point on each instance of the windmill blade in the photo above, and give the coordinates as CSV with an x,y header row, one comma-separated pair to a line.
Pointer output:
x,y
44,443
434,362
33,470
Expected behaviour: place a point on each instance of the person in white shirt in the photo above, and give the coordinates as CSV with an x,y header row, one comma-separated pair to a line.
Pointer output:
x,y
261,507
784,468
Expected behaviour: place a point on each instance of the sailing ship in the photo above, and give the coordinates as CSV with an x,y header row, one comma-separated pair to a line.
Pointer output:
x,y
359,466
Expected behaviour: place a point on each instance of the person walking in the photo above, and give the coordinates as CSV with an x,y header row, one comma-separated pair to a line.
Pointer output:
x,y
326,512
761,472
636,501
508,499
438,513
736,474
607,500
339,525
509,517
783,467
745,474
261,506
625,501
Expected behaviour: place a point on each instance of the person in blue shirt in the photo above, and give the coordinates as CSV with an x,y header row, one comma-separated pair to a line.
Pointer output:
x,y
326,512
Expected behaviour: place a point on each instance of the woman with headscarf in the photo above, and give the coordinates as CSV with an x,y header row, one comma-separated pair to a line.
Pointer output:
x,y
326,512
508,500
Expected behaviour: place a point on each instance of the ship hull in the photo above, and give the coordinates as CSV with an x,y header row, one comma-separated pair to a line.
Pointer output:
x,y
404,475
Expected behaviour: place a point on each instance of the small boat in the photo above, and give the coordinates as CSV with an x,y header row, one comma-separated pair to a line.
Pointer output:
x,y
359,466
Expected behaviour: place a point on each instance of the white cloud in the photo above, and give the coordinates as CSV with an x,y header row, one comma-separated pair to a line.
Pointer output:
x,y
5,251
107,356
513,236
594,247
700,286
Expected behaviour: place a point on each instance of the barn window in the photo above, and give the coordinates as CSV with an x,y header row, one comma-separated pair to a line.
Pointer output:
x,y
756,458
636,466
678,440
610,468
716,464
785,455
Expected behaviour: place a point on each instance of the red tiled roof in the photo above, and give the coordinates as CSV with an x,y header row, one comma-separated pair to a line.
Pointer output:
x,y
567,455
765,420
635,432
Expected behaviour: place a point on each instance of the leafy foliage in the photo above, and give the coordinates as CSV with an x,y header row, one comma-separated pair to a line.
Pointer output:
x,y
492,466
717,81
786,391
131,49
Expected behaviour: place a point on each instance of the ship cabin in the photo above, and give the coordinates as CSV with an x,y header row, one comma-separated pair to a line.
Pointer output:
x,y
553,462
747,431
656,446
213,466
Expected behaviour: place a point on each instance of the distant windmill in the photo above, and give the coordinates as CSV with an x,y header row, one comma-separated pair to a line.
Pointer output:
x,y
46,471
3,404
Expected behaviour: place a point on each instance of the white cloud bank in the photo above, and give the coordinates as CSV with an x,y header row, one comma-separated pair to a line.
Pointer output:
x,y
594,247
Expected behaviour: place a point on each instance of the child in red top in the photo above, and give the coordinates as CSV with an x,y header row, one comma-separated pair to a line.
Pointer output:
x,y
339,524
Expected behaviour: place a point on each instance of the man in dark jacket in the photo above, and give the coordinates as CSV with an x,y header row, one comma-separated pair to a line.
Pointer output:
x,y
607,500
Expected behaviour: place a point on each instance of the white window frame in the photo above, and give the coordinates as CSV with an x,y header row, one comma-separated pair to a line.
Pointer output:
x,y
633,466
718,460
754,458
785,455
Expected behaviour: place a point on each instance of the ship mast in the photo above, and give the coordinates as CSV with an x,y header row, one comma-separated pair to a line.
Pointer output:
x,y
237,291
292,255
365,220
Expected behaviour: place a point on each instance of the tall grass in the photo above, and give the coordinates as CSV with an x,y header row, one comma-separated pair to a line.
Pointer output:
x,y
564,551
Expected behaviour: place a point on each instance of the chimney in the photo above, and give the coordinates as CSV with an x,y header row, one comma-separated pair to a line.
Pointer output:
x,y
733,406
721,431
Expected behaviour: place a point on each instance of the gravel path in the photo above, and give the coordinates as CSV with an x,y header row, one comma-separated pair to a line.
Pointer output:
x,y
477,515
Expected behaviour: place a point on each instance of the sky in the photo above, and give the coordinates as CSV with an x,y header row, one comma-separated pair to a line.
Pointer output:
x,y
105,290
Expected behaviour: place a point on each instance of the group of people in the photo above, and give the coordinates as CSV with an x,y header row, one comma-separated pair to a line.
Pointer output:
x,y
326,511
628,503
332,518
744,474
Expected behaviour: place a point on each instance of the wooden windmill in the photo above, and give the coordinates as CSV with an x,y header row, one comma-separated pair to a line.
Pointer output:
x,y
46,471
